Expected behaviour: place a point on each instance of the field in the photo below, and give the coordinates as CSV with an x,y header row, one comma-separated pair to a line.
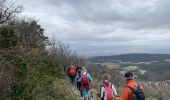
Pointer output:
x,y
158,89
156,86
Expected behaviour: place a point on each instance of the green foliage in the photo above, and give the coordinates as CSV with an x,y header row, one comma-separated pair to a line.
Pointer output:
x,y
154,97
27,70
8,37
30,34
161,69
64,92
35,75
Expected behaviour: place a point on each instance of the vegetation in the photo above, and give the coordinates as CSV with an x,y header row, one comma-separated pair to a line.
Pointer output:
x,y
32,66
28,70
8,11
153,90
161,69
156,65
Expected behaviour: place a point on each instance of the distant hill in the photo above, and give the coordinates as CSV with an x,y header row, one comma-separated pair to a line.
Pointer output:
x,y
155,79
135,57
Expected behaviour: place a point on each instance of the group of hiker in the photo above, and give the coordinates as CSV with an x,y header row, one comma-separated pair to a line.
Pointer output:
x,y
107,91
82,79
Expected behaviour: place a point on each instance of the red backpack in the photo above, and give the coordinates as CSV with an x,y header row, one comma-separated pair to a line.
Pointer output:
x,y
85,83
84,79
109,91
72,71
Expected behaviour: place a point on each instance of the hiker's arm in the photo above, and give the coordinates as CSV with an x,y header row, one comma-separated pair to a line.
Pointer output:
x,y
81,79
76,78
114,90
142,88
89,76
125,95
102,92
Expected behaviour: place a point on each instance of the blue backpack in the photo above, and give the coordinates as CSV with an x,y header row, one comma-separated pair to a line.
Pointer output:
x,y
137,94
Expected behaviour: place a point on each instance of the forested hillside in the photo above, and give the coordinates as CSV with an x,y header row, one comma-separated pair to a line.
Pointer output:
x,y
28,70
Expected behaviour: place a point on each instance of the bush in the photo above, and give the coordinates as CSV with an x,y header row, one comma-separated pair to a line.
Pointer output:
x,y
8,37
35,75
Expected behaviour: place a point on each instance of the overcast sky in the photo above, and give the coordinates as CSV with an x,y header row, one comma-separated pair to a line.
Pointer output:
x,y
105,27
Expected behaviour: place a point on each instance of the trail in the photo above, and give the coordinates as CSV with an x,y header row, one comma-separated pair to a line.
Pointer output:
x,y
77,93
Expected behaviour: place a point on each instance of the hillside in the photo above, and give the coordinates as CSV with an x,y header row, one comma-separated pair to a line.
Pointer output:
x,y
136,57
151,70
28,69
155,65
155,90
34,66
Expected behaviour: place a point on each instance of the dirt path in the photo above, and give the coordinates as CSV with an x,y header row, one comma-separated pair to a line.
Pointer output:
x,y
77,93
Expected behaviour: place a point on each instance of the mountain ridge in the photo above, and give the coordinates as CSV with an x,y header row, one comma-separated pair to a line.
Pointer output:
x,y
134,57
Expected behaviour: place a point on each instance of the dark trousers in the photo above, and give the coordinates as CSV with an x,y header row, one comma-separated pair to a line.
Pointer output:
x,y
72,78
78,85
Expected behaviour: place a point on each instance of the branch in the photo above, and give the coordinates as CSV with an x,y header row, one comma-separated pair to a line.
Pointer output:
x,y
9,12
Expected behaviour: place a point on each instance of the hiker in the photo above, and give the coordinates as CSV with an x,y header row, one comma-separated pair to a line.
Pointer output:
x,y
107,89
78,68
85,88
132,90
78,79
72,73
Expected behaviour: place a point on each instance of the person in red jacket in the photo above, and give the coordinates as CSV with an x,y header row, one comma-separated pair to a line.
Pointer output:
x,y
127,92
72,73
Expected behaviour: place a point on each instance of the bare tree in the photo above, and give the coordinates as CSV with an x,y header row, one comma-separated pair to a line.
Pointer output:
x,y
64,55
60,50
8,10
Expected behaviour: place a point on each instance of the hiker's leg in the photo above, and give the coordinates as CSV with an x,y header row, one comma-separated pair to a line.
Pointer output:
x,y
84,94
89,94
72,79
84,98
81,92
88,98
79,85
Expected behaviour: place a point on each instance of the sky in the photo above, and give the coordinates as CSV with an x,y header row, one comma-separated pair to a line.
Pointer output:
x,y
105,27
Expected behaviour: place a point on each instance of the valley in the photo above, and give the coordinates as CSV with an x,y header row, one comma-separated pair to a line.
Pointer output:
x,y
153,74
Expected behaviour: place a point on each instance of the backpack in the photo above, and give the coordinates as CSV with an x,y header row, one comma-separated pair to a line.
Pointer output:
x,y
72,71
109,92
84,79
137,94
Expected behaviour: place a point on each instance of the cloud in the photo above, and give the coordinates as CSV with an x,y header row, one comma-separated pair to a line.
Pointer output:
x,y
107,26
133,13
